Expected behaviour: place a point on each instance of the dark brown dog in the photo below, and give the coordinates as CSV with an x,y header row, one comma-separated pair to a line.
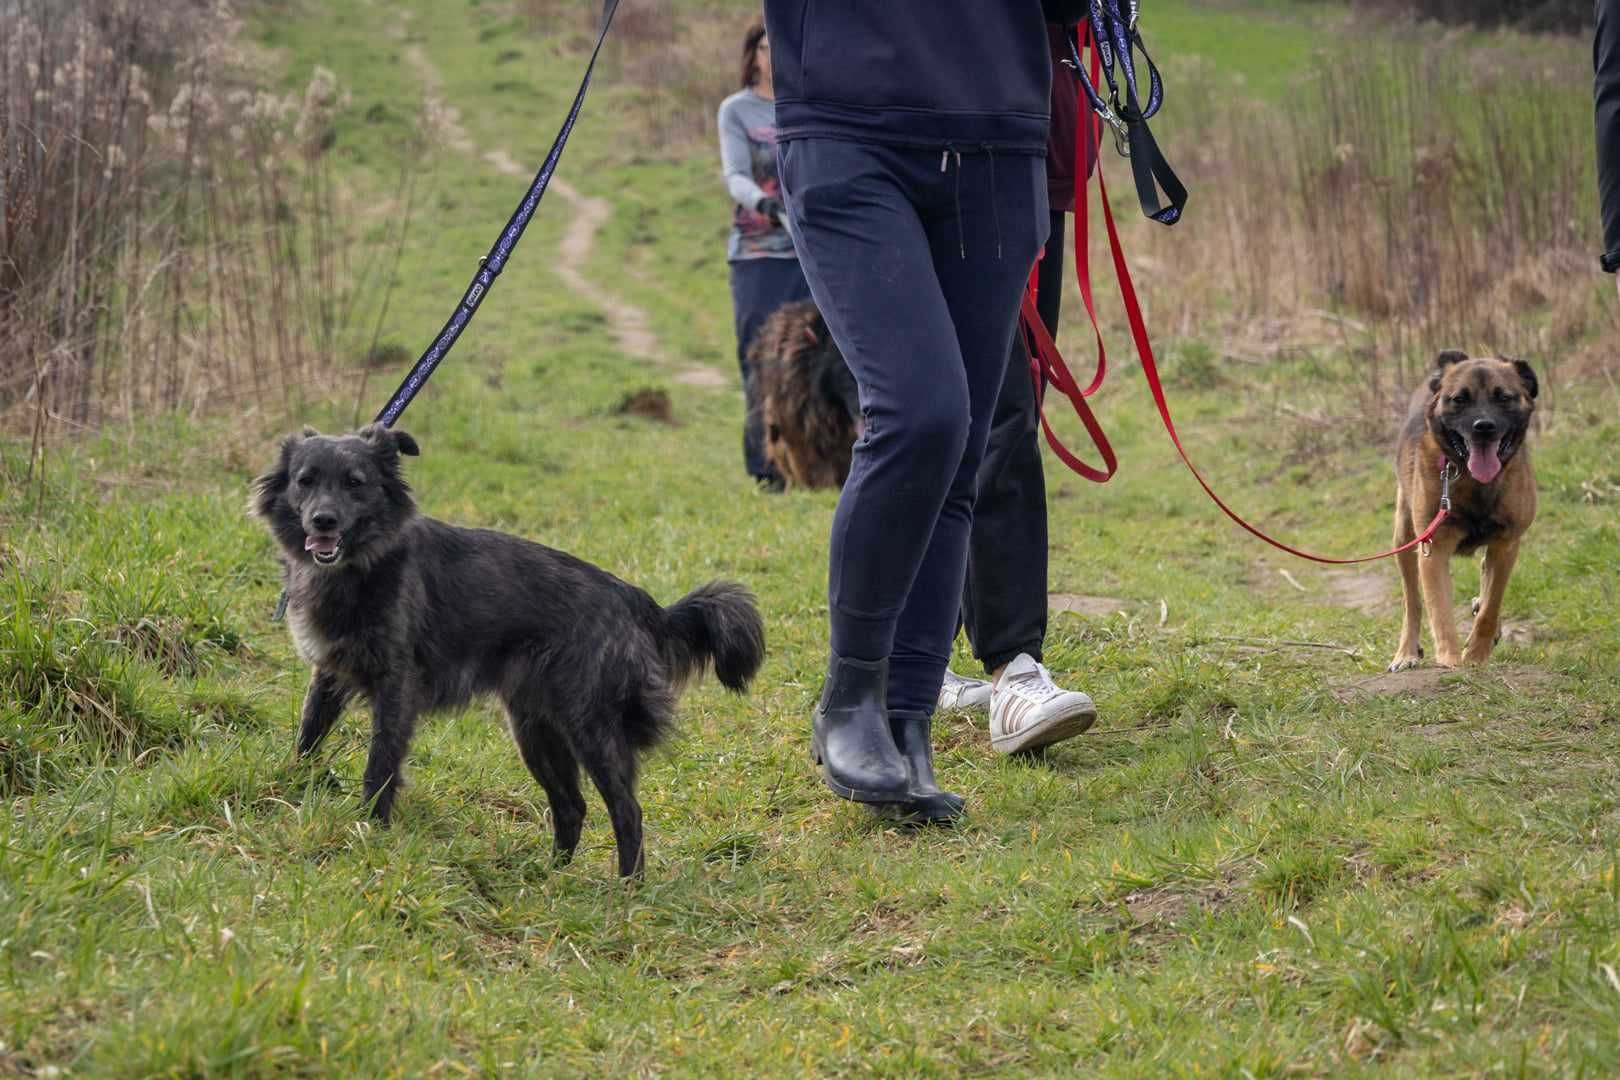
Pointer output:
x,y
1472,418
807,398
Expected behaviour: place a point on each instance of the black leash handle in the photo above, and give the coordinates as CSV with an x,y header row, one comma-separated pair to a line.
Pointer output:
x,y
1113,34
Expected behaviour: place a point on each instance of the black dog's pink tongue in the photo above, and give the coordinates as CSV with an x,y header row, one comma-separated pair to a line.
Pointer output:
x,y
320,545
1483,463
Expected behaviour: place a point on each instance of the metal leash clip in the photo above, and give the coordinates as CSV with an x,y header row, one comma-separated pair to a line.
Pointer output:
x,y
1448,473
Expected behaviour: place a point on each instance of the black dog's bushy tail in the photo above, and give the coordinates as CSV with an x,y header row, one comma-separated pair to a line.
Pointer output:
x,y
717,623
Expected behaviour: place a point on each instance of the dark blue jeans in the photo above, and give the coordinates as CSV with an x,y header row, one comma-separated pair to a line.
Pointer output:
x,y
917,260
759,287
1004,604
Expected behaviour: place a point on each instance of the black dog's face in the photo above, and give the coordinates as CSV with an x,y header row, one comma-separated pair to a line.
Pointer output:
x,y
1481,411
336,499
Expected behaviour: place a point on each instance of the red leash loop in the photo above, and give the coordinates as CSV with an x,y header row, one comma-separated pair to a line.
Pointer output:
x,y
1045,360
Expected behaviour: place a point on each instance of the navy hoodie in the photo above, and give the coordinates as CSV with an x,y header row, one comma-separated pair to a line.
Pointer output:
x,y
967,74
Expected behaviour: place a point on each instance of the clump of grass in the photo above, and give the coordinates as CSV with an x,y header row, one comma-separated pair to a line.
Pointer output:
x,y
75,690
388,356
171,237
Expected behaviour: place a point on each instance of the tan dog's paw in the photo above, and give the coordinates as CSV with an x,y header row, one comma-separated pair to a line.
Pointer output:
x,y
1473,605
1405,663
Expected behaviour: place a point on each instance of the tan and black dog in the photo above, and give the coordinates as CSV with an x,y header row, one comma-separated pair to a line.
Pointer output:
x,y
1472,416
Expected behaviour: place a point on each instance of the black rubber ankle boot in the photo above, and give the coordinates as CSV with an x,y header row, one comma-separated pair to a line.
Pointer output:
x,y
850,736
928,805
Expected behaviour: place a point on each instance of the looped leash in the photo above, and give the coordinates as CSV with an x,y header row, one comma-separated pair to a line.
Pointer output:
x,y
1046,363
491,265
1112,35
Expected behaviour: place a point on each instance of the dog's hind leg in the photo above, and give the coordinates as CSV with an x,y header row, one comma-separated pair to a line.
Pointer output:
x,y
612,766
1410,650
323,704
1493,578
393,722
545,751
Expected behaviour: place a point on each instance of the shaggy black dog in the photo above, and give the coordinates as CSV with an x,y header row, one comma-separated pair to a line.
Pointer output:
x,y
806,396
417,615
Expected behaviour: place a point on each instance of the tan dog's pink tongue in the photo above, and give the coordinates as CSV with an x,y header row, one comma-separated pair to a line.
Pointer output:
x,y
1483,464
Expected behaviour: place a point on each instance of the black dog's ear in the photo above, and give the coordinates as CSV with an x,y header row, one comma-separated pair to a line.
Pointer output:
x,y
398,441
267,488
1531,386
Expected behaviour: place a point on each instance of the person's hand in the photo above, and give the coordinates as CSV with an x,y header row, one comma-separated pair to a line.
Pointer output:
x,y
771,208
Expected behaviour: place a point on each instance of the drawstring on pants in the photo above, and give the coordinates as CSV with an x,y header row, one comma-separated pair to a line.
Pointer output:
x,y
944,163
995,200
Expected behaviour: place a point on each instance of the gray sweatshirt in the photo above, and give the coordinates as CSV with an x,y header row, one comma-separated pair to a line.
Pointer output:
x,y
747,125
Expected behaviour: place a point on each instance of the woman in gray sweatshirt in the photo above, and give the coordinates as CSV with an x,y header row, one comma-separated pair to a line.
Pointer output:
x,y
765,271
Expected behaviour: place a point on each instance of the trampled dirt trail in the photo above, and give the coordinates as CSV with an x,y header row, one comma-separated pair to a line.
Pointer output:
x,y
630,326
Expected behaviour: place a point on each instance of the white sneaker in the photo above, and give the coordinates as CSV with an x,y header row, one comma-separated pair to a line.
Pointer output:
x,y
1027,710
963,693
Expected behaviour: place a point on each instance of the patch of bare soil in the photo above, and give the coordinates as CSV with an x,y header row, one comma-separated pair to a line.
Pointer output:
x,y
647,404
702,376
1361,590
1085,605
1366,591
1429,682
1163,908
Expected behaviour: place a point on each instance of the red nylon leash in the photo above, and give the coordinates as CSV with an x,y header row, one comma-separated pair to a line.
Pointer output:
x,y
1045,360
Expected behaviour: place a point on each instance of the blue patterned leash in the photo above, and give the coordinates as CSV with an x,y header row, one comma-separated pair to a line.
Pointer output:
x,y
491,265
1112,32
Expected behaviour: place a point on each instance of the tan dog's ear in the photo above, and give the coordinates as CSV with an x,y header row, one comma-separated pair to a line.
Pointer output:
x,y
1441,362
1527,376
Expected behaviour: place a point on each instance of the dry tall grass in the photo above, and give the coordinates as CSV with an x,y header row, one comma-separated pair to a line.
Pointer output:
x,y
1409,196
170,234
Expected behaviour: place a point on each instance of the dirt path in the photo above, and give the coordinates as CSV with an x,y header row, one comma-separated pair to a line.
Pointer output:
x,y
629,323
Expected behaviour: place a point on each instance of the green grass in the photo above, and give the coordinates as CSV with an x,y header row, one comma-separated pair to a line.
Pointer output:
x,y
1238,872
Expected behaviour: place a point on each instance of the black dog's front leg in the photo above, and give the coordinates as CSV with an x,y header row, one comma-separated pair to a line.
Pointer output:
x,y
393,720
323,704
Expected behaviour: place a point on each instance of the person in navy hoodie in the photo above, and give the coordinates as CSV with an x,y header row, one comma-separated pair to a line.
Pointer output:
x,y
911,142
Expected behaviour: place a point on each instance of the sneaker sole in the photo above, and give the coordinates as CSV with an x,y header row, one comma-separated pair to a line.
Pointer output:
x,y
1055,730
